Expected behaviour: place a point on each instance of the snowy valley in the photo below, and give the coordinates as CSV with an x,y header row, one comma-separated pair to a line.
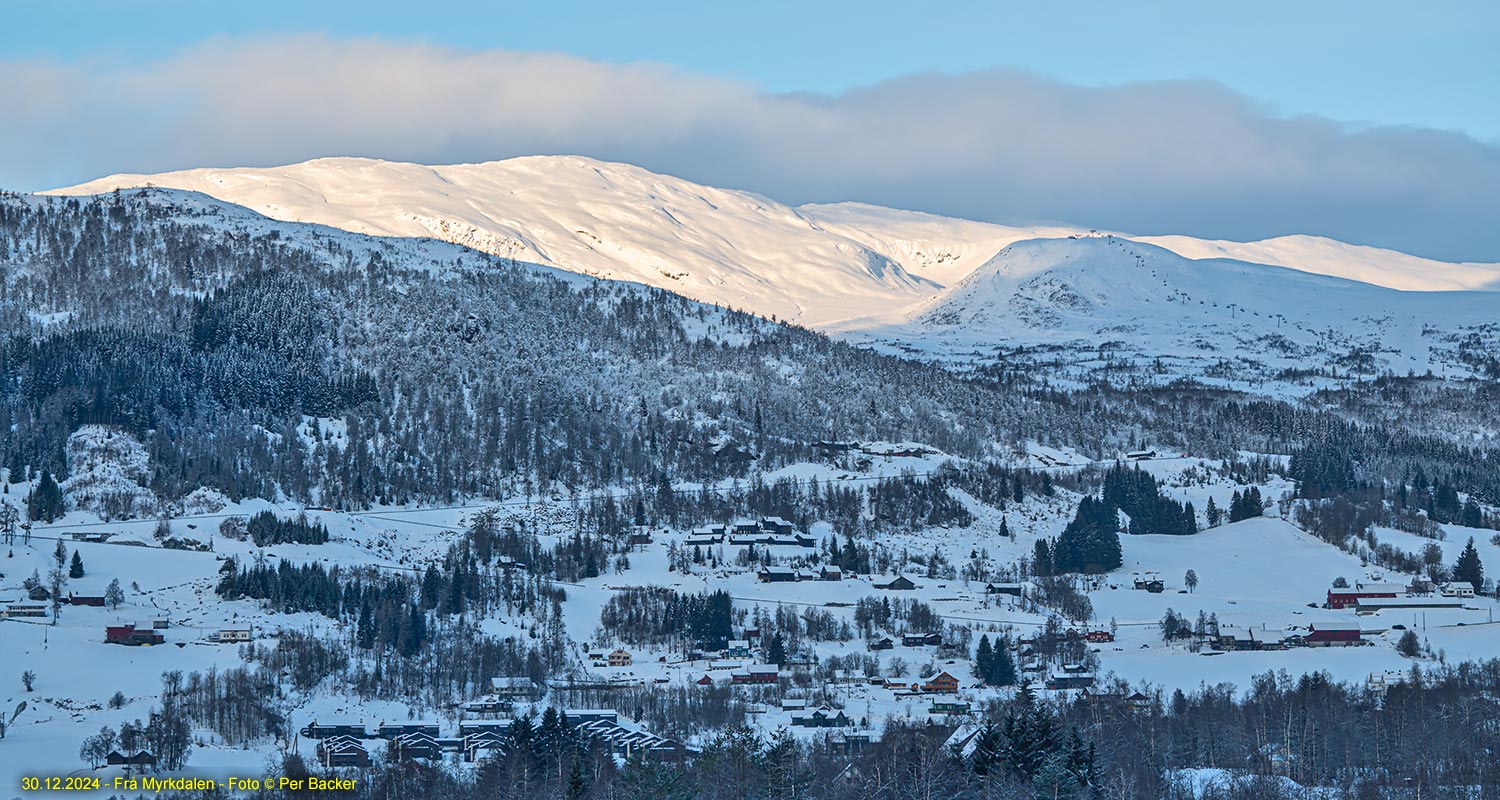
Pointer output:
x,y
426,457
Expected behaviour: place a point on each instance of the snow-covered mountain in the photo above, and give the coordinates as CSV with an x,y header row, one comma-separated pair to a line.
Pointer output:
x,y
1107,298
815,264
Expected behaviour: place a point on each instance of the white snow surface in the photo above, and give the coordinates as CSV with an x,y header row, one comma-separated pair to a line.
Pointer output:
x,y
812,264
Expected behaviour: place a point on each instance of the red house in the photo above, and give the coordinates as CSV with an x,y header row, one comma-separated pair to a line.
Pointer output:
x,y
1326,634
1099,636
127,634
756,673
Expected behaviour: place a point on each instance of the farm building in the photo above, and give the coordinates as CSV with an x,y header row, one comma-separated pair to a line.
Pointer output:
x,y
1367,604
756,673
900,583
1329,634
129,635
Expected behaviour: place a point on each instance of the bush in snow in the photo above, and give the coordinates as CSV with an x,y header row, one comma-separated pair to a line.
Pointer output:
x,y
203,500
106,470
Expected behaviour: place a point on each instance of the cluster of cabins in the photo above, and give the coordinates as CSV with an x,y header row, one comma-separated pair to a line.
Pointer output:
x,y
1419,594
344,744
768,531
826,572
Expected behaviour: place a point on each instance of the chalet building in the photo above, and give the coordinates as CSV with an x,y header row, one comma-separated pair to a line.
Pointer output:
x,y
640,536
343,751
705,681
849,743
484,744
1331,634
900,583
24,610
756,673
1421,586
488,727
777,575
317,730
777,525
941,683
1070,680
744,526
793,703
394,730
620,658
513,687
883,643
228,635
821,717
509,563
737,648
829,447
415,745
95,538
922,640
829,573
131,636
139,759
949,707
1149,582
1457,589
1099,636
699,541
1232,638
489,705
1011,589
96,600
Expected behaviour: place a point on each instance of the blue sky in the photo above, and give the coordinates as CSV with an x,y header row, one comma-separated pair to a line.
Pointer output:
x,y
1371,122
1434,65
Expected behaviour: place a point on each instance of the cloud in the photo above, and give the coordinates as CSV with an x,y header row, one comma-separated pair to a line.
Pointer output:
x,y
1171,157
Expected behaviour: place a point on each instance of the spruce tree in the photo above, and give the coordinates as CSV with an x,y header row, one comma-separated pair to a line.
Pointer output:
x,y
1468,568
75,569
46,501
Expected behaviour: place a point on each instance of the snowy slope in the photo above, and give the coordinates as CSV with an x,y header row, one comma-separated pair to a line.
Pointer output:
x,y
1106,297
612,221
813,264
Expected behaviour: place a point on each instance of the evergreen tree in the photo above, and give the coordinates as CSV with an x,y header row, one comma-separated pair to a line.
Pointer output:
x,y
46,501
776,650
75,569
1467,567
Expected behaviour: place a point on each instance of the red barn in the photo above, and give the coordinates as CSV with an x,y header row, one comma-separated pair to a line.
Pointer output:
x,y
1325,634
1348,597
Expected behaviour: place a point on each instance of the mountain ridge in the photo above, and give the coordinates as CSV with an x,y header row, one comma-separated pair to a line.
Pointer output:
x,y
815,264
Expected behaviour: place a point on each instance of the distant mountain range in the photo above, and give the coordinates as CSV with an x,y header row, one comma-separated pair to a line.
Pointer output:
x,y
919,283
